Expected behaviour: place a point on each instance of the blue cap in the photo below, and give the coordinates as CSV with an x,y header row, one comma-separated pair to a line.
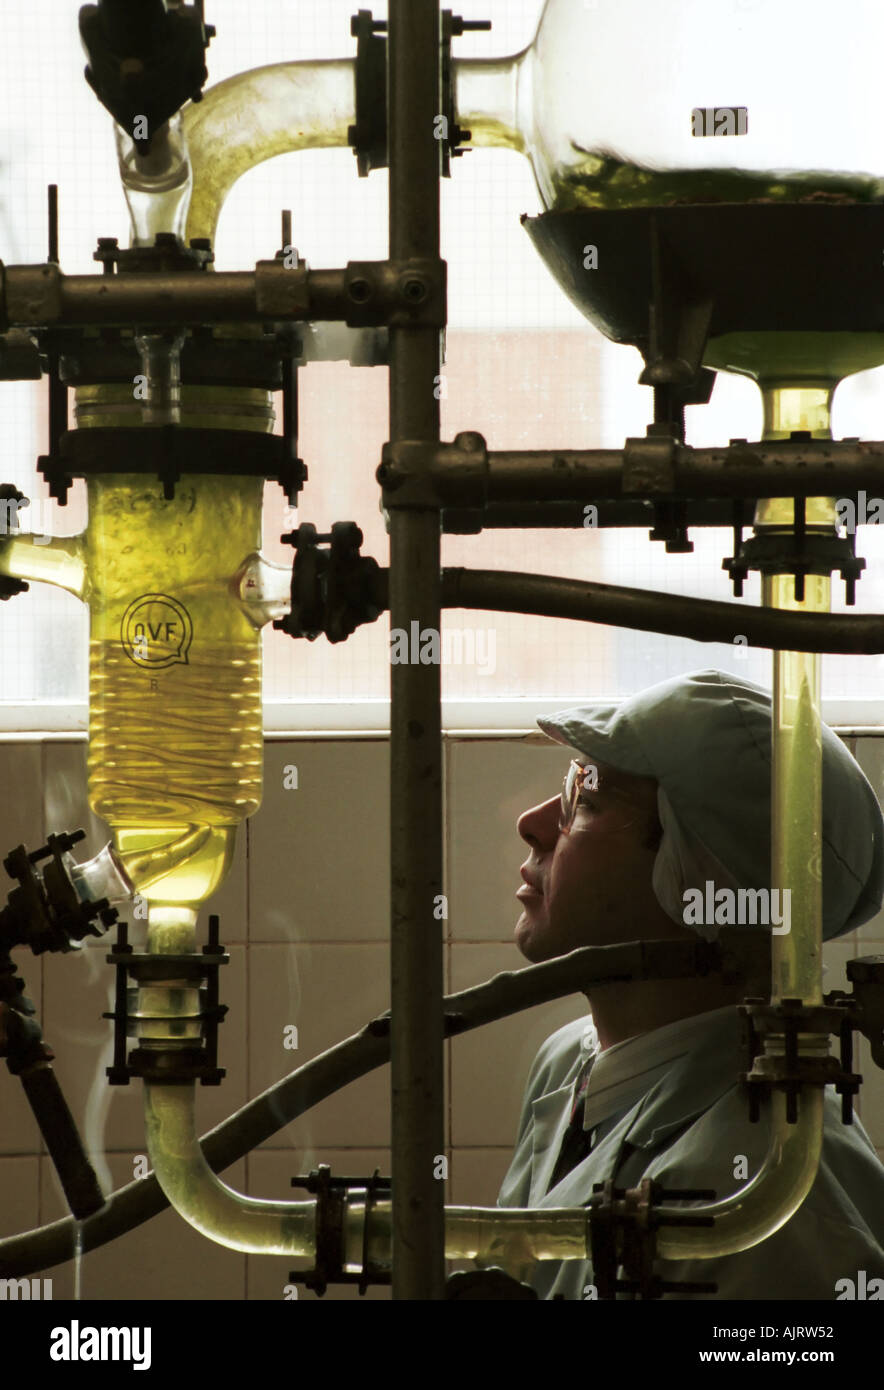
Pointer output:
x,y
706,739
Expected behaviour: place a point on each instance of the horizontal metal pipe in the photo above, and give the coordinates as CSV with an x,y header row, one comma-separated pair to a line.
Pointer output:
x,y
465,474
704,620
34,296
772,469
180,298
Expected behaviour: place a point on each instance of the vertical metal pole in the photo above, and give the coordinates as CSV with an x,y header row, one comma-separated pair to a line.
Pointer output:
x,y
416,948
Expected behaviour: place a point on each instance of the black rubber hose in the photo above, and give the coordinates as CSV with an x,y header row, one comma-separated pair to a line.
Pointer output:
x,y
62,1139
704,620
503,995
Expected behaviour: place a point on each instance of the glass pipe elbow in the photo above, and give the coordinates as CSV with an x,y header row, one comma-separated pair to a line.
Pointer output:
x,y
252,117
765,1204
198,155
218,1212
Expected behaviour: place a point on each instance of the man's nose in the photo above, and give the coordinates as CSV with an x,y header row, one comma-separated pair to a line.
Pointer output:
x,y
539,827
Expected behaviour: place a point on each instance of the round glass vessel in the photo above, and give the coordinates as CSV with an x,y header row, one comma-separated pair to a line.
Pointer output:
x,y
739,138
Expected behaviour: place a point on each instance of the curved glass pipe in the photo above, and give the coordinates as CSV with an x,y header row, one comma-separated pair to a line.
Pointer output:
x,y
197,157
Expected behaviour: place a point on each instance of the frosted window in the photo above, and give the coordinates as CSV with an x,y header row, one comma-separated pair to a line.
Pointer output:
x,y
522,367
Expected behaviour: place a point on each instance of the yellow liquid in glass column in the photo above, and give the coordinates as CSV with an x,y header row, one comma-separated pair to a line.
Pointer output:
x,y
175,752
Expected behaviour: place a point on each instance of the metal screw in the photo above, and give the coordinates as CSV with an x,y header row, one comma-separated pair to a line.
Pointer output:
x,y
359,290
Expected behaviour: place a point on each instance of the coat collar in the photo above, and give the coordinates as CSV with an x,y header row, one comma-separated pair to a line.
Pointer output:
x,y
694,1083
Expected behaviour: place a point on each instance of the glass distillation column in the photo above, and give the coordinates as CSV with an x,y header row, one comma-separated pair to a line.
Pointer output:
x,y
175,748
177,594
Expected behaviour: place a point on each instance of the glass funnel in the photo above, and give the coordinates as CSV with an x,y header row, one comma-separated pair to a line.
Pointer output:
x,y
177,593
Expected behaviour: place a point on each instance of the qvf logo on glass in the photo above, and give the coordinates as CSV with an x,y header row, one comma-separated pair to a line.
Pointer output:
x,y
156,631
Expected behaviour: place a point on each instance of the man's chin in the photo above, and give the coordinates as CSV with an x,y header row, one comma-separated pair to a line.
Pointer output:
x,y
531,941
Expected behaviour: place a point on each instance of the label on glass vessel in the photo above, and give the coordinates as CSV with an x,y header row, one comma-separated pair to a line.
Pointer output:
x,y
720,120
156,631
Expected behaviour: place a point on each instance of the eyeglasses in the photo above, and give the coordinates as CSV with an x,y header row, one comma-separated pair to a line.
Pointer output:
x,y
580,781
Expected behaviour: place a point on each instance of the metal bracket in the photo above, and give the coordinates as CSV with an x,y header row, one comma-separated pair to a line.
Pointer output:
x,y
680,315
410,293
369,135
415,473
866,974
331,1200
649,464
791,1071
168,453
281,291
46,912
145,58
31,296
172,1064
19,357
334,590
797,550
623,1225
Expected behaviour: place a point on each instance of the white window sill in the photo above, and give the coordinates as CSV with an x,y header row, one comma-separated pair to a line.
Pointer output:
x,y
69,719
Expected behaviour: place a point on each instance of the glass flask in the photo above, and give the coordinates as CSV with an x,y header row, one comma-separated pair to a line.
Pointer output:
x,y
628,107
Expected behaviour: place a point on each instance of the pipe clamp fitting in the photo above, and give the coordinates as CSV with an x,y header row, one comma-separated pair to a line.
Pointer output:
x,y
418,473
32,295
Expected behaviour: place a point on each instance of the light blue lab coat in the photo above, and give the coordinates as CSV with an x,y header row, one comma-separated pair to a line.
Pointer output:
x,y
686,1132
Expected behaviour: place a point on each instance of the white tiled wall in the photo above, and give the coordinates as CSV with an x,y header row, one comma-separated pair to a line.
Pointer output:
x,y
304,914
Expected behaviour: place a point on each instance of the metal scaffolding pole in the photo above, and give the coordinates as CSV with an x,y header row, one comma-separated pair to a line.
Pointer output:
x,y
416,947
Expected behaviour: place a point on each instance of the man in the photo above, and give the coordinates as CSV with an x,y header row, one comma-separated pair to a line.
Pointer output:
x,y
672,791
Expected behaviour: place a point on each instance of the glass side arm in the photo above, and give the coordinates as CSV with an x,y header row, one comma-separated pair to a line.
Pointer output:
x,y
264,589
491,100
59,560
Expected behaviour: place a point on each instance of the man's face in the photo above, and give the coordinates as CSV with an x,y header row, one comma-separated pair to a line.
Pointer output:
x,y
592,882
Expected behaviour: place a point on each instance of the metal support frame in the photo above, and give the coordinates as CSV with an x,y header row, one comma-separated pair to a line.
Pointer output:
x,y
416,955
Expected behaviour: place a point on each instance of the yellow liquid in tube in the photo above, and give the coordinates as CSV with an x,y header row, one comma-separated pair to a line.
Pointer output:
x,y
175,751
